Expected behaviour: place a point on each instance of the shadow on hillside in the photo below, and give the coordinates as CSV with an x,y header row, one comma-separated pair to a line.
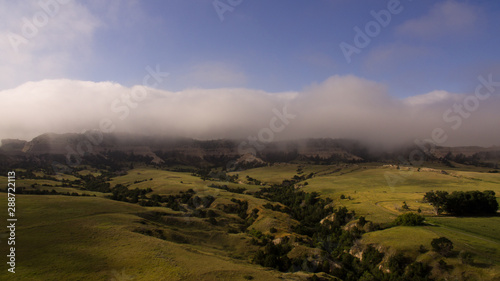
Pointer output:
x,y
466,216
481,265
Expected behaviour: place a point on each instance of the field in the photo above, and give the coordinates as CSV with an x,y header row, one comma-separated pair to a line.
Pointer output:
x,y
75,237
78,237
368,193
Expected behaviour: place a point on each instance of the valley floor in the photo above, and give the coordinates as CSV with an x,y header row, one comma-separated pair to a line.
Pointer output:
x,y
95,238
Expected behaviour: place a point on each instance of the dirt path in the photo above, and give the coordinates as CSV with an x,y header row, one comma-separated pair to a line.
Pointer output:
x,y
385,209
441,226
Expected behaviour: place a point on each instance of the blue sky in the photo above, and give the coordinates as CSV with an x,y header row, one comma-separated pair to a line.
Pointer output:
x,y
275,46
232,62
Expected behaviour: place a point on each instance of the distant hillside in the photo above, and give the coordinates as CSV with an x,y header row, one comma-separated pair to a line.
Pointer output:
x,y
12,145
170,150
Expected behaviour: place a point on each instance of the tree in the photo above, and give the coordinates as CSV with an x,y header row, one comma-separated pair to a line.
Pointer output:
x,y
437,199
362,221
405,206
417,271
422,249
442,245
371,256
212,220
442,265
398,263
367,276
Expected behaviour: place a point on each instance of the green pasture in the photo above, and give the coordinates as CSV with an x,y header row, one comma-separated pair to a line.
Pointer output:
x,y
88,238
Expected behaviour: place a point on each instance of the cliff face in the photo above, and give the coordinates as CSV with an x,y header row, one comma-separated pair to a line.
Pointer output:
x,y
161,147
149,146
12,145
465,150
63,144
51,143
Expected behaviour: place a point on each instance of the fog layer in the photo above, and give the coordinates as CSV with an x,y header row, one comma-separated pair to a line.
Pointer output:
x,y
340,107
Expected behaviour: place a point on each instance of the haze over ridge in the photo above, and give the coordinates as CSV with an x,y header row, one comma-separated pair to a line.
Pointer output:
x,y
339,107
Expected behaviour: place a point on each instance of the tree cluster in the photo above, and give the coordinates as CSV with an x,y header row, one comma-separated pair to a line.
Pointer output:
x,y
239,190
96,183
332,238
251,180
463,203
122,193
240,208
409,219
307,208
46,192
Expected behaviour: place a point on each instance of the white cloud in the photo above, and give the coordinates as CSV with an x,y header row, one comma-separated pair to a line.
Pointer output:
x,y
444,18
340,107
433,97
39,41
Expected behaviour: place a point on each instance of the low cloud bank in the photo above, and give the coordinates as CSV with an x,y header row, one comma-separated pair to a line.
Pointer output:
x,y
340,107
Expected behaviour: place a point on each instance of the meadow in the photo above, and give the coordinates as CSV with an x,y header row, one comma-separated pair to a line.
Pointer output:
x,y
367,191
82,238
74,237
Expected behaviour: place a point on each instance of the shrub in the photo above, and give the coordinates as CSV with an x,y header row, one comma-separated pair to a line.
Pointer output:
x,y
466,257
422,249
367,276
442,245
212,220
417,271
409,219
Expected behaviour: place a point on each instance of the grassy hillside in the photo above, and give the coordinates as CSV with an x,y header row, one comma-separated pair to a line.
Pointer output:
x,y
76,238
82,238
368,193
167,182
373,197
